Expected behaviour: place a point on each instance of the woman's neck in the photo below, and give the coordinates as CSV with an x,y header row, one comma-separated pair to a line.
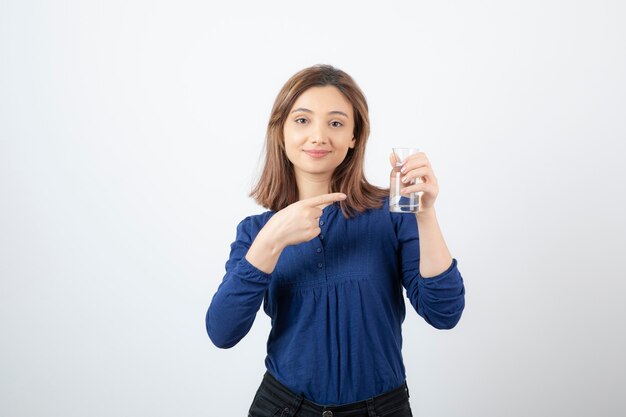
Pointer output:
x,y
311,185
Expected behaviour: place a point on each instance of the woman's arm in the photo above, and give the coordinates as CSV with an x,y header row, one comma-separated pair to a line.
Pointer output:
x,y
434,254
439,299
436,289
240,295
253,257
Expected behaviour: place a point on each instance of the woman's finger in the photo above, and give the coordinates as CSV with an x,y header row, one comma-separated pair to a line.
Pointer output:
x,y
322,200
423,172
414,163
424,187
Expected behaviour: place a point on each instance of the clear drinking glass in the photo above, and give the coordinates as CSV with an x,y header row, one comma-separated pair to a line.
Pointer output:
x,y
402,203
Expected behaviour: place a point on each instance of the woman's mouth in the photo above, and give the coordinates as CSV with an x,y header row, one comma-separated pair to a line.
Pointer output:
x,y
316,153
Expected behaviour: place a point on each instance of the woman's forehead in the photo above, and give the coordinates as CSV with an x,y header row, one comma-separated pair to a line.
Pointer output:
x,y
323,99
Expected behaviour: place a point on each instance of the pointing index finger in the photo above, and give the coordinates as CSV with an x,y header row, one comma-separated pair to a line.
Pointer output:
x,y
325,199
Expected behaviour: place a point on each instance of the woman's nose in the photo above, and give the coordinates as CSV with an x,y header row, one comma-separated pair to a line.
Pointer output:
x,y
318,135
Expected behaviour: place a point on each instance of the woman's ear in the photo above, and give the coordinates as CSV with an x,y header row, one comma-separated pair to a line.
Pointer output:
x,y
352,143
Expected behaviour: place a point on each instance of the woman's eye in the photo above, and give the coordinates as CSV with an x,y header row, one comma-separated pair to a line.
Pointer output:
x,y
301,120
336,124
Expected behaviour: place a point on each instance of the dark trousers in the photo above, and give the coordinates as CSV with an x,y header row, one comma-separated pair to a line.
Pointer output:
x,y
274,400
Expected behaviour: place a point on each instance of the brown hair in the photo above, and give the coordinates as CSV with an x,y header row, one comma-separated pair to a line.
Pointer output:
x,y
276,187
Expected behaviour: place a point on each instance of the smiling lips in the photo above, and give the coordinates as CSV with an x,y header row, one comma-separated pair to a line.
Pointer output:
x,y
316,153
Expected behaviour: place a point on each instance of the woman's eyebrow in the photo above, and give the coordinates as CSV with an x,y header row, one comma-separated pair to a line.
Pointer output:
x,y
302,109
339,112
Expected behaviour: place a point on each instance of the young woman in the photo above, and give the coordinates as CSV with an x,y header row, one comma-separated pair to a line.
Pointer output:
x,y
329,261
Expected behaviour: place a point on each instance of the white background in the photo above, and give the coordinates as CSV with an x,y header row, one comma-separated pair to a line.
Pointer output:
x,y
131,133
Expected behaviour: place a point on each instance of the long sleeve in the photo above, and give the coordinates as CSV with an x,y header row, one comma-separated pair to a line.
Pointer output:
x,y
240,295
440,300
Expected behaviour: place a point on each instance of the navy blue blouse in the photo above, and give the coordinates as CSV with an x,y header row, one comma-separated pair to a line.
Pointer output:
x,y
335,303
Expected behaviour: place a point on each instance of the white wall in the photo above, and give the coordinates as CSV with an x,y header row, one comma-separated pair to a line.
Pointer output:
x,y
130,133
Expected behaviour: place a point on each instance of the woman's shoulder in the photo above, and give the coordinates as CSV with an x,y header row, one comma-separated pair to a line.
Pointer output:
x,y
381,209
253,223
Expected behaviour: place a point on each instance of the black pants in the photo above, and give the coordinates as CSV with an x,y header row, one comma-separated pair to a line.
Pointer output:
x,y
274,400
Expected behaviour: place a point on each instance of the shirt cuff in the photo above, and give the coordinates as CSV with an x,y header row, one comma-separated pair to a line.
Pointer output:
x,y
451,271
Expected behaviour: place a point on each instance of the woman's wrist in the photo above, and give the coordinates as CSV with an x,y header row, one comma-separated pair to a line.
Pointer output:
x,y
264,254
268,240
426,214
265,249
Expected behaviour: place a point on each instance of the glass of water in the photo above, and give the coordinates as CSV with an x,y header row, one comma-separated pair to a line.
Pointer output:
x,y
402,203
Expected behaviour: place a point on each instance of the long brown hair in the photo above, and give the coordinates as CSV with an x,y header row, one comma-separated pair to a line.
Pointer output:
x,y
276,187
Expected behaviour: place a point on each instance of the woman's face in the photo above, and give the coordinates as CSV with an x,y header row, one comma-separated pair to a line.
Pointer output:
x,y
318,131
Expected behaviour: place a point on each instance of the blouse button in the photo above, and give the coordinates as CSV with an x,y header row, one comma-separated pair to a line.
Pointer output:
x,y
318,250
321,222
320,265
322,236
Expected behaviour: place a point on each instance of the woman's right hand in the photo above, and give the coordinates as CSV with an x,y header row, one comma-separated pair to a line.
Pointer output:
x,y
299,222
296,223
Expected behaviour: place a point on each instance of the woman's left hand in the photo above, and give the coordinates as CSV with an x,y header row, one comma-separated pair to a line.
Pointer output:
x,y
417,167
